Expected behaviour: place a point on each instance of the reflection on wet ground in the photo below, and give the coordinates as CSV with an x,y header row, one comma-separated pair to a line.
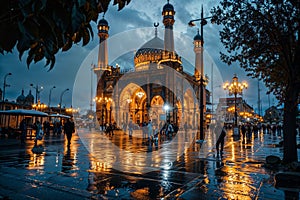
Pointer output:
x,y
93,166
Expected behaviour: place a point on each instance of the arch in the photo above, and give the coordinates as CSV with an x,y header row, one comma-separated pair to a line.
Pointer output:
x,y
156,110
132,104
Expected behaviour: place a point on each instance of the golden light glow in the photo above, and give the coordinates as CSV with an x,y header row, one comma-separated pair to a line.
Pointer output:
x,y
102,99
231,109
72,110
235,87
39,106
140,94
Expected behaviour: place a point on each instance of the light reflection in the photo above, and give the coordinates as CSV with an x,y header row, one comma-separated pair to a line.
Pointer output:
x,y
70,159
37,157
232,150
132,154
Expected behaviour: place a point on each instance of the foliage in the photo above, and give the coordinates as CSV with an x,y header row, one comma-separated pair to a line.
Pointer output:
x,y
263,36
45,26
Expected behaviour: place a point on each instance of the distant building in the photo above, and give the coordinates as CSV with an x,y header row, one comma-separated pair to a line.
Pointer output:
x,y
273,114
225,110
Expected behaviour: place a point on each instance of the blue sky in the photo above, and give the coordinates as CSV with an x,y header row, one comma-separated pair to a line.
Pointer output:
x,y
137,15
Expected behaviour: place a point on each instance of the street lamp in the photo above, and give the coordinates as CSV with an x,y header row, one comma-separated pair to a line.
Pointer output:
x,y
235,88
60,101
37,92
39,106
202,23
5,85
50,98
167,108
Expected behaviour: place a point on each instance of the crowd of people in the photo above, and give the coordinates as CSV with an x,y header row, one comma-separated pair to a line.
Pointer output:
x,y
248,129
151,130
57,127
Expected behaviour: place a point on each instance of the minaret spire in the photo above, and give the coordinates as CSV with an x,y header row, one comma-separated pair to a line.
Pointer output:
x,y
168,20
198,49
103,52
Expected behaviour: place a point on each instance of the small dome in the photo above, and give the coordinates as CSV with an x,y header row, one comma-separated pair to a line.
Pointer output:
x,y
198,36
21,98
102,22
168,7
29,98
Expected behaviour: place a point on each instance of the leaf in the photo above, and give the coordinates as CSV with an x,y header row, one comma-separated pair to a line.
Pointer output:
x,y
77,19
89,27
67,45
85,37
29,58
81,3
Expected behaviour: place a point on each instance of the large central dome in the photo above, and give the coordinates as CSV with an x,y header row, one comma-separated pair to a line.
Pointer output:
x,y
153,52
154,44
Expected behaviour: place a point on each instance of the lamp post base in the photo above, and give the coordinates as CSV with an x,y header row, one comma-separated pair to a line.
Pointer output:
x,y
236,131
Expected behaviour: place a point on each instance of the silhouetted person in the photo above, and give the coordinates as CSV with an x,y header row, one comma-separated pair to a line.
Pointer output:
x,y
46,126
69,130
130,128
38,132
23,128
220,140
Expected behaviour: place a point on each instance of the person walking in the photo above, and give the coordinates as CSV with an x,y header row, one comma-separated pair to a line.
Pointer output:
x,y
130,128
150,130
38,132
23,128
221,140
69,130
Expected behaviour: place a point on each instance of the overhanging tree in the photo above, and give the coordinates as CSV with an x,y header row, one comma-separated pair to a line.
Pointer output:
x,y
43,27
263,37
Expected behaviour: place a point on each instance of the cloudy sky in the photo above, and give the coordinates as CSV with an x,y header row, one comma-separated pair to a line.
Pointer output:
x,y
134,21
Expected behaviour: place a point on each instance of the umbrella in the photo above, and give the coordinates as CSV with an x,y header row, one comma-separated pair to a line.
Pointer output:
x,y
24,112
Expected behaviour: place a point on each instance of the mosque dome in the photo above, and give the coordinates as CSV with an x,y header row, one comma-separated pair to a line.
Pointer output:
x,y
29,98
155,45
21,98
198,36
151,51
168,7
102,22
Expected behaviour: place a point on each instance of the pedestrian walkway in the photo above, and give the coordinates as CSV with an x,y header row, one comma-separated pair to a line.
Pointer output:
x,y
91,169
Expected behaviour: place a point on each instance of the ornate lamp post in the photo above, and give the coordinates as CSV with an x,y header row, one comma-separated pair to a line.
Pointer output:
x,y
235,88
38,89
49,104
167,109
60,101
5,85
202,23
39,106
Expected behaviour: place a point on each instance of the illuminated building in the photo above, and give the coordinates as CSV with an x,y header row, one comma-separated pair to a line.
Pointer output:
x,y
158,79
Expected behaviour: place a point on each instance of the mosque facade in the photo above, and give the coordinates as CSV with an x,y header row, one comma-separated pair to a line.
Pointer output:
x,y
158,89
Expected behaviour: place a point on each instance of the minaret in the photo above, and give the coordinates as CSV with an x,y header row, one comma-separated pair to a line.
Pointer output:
x,y
168,20
198,49
103,52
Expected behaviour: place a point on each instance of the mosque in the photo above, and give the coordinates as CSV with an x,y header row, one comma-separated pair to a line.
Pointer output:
x,y
158,89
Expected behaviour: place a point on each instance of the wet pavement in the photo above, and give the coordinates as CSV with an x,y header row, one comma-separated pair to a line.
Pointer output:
x,y
91,168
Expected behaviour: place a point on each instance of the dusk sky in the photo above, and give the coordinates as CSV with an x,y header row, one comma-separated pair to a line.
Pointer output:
x,y
133,25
